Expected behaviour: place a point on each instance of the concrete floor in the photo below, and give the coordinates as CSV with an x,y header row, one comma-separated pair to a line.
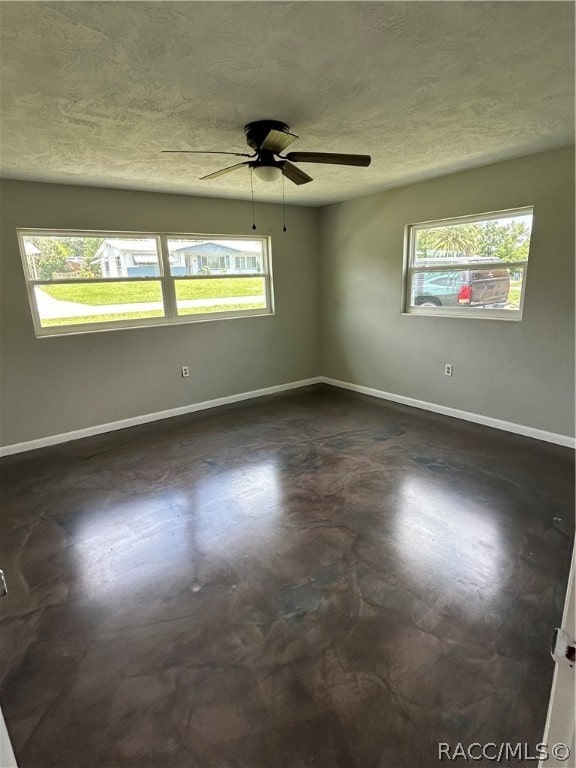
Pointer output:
x,y
311,579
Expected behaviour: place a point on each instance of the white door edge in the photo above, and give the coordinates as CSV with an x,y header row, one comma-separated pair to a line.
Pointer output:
x,y
560,726
7,759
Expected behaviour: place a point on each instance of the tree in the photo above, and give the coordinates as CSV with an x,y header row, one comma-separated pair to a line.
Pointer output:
x,y
65,254
425,242
53,256
84,250
506,242
501,240
457,240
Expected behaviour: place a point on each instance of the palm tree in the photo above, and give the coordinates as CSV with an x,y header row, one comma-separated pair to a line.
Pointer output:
x,y
457,240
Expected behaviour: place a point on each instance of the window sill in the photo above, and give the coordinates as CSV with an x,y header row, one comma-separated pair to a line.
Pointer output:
x,y
55,331
470,314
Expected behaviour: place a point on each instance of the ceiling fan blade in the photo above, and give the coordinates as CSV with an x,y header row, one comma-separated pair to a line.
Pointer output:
x,y
329,157
204,152
277,141
222,171
295,174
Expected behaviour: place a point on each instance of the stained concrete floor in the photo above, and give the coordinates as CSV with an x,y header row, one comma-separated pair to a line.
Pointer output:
x,y
312,579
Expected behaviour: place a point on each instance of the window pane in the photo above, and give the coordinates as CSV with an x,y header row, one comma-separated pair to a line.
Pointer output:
x,y
195,256
77,303
61,258
470,265
468,288
232,294
496,239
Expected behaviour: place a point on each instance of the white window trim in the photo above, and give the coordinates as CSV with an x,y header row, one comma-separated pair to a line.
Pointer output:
x,y
460,312
166,280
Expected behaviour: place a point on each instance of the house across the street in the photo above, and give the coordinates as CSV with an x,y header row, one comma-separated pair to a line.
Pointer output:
x,y
138,258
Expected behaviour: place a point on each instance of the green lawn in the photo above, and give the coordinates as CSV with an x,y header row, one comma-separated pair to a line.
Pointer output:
x,y
127,293
118,316
56,321
514,294
218,289
221,308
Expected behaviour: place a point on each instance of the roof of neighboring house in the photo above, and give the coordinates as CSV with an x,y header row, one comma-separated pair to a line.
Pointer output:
x,y
208,247
131,245
148,245
142,246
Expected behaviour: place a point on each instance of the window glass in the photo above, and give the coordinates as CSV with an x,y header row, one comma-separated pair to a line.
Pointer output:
x,y
80,257
218,256
87,303
230,294
475,266
85,281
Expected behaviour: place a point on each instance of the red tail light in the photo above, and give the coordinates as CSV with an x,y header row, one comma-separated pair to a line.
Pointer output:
x,y
465,294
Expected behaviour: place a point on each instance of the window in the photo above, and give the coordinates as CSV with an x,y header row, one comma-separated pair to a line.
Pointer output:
x,y
80,282
474,266
247,264
213,263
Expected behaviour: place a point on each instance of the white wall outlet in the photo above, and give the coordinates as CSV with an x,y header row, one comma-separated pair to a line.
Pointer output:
x,y
448,369
185,371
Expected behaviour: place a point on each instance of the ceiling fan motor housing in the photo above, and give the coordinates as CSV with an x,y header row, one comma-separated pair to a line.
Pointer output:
x,y
257,131
266,159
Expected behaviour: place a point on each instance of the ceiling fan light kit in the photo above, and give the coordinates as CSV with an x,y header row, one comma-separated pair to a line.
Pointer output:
x,y
267,172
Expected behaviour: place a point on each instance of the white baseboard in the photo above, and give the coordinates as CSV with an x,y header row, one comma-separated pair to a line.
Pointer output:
x,y
111,426
487,421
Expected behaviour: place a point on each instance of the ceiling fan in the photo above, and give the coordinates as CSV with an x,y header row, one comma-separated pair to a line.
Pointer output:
x,y
268,138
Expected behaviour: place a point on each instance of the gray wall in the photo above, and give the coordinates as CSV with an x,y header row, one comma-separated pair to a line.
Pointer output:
x,y
521,372
54,385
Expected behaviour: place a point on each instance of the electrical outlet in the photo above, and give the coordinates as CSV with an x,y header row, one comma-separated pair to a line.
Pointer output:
x,y
448,369
185,371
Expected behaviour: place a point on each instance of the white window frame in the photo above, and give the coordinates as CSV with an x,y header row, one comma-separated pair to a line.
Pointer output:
x,y
166,280
470,312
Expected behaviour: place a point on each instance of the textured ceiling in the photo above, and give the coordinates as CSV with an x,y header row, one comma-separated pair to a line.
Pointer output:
x,y
92,91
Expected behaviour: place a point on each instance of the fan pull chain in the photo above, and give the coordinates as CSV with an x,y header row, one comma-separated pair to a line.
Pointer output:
x,y
252,189
283,206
